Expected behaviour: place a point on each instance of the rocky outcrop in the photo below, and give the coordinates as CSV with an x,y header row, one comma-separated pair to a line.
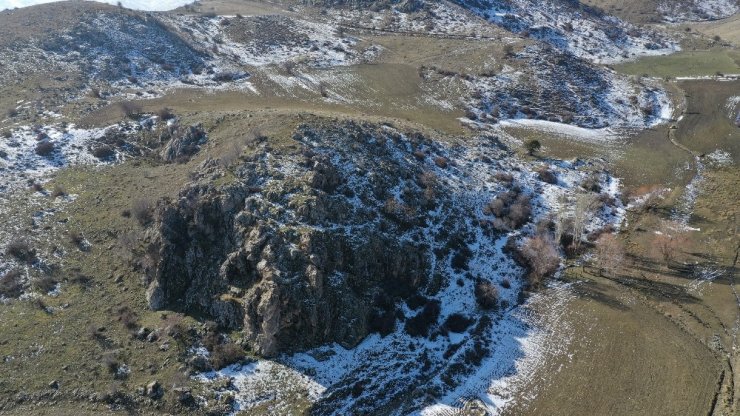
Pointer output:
x,y
294,253
182,142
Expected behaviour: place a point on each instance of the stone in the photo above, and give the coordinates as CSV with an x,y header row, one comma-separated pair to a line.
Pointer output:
x,y
154,390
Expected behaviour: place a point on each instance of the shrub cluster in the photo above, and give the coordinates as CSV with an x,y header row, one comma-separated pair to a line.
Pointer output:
x,y
512,209
458,323
21,250
226,354
421,323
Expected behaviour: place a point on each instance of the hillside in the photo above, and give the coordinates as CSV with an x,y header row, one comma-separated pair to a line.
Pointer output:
x,y
369,207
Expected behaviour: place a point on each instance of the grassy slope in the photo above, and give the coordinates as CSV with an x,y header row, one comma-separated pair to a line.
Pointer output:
x,y
686,64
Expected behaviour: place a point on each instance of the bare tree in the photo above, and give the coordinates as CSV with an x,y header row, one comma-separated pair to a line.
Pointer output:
x,y
609,254
542,256
582,212
669,240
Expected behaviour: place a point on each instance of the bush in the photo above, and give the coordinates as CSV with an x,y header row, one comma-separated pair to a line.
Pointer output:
x,y
486,294
532,146
541,258
226,354
130,109
21,250
142,211
58,191
44,284
458,323
382,321
127,317
416,301
103,152
44,148
165,114
547,176
11,285
76,238
420,324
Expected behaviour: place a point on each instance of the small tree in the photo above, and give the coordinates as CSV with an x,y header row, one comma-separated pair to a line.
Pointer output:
x,y
668,241
582,213
532,146
609,254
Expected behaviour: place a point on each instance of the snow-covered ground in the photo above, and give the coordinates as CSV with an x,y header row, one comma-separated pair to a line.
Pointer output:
x,y
697,10
148,5
582,32
21,165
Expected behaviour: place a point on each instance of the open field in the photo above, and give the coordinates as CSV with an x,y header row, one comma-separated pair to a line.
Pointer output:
x,y
686,64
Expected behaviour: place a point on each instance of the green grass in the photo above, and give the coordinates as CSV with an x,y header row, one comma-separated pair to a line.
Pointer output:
x,y
685,64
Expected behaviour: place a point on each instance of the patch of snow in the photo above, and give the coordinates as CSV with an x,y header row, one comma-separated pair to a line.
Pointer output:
x,y
564,130
697,10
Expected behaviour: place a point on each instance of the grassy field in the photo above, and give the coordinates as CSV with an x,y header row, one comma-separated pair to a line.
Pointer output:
x,y
656,331
685,64
727,29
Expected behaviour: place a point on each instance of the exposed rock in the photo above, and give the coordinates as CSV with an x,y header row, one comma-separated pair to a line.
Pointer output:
x,y
154,390
183,142
282,263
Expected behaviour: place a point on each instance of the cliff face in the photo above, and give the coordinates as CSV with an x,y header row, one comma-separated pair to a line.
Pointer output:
x,y
295,253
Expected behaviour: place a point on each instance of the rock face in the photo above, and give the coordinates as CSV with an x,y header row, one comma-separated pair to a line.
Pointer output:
x,y
183,142
294,252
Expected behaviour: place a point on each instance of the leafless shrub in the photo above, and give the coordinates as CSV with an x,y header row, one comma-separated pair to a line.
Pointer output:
x,y
441,162
324,89
76,238
130,109
103,152
512,209
21,250
504,177
542,259
609,254
142,210
127,317
226,354
95,93
111,362
669,241
486,294
7,134
11,285
231,155
547,176
45,148
43,284
58,191
165,113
